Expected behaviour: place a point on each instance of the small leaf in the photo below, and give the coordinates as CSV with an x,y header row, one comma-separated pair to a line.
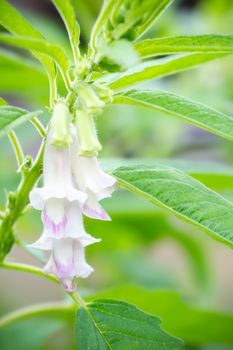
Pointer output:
x,y
55,52
183,196
195,113
177,44
157,68
11,117
67,13
123,19
116,325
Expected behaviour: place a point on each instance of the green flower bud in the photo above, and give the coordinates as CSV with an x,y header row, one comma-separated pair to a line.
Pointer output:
x,y
89,100
89,144
104,93
82,68
60,126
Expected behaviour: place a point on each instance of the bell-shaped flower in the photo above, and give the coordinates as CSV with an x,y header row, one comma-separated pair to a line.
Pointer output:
x,y
74,228
67,262
58,190
91,179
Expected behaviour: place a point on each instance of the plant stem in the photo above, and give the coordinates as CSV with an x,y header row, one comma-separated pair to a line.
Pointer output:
x,y
77,299
37,271
39,126
21,200
57,308
53,90
17,148
28,268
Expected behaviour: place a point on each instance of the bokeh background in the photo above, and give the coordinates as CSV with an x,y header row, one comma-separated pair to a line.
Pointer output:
x,y
143,245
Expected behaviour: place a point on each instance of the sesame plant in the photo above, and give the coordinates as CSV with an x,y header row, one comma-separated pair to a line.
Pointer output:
x,y
66,181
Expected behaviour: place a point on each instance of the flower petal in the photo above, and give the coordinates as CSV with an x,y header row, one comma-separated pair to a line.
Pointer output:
x,y
67,261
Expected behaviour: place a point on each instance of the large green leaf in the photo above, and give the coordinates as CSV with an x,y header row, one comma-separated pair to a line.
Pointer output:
x,y
181,107
116,325
123,19
15,23
177,44
158,68
213,174
182,195
67,13
182,319
39,46
11,117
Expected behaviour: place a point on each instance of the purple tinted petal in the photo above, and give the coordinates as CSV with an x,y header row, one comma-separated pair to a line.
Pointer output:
x,y
55,228
96,213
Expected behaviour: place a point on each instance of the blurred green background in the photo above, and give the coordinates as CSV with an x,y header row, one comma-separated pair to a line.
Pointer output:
x,y
143,246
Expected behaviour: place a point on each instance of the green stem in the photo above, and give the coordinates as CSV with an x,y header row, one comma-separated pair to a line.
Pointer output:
x,y
28,268
37,271
53,90
77,299
55,308
17,148
39,126
16,208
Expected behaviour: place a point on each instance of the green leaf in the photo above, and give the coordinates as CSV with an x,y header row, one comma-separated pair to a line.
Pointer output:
x,y
183,196
13,70
15,23
116,325
40,46
120,19
2,102
177,44
157,68
213,174
195,113
11,117
184,320
67,13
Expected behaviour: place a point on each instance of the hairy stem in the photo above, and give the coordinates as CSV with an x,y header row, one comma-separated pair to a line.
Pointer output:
x,y
17,204
39,126
37,271
28,268
16,147
59,309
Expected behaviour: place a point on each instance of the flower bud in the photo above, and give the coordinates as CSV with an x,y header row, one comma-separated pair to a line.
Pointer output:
x,y
104,93
89,100
60,126
87,135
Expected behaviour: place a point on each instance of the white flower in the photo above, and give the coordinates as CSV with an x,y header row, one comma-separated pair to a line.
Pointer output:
x,y
73,185
58,190
67,261
91,179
